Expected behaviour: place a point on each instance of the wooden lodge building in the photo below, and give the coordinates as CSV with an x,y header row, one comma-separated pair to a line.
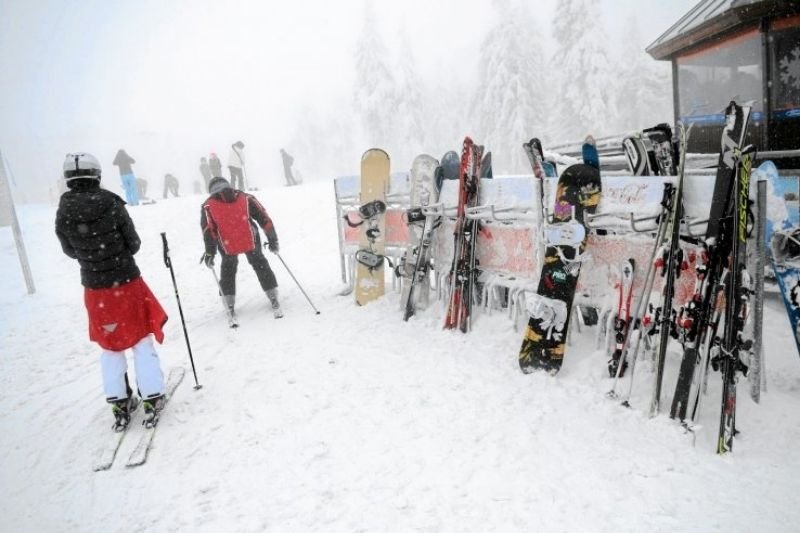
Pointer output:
x,y
742,50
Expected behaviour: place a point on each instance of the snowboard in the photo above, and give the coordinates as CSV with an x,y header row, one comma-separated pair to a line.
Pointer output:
x,y
545,337
449,168
414,265
637,155
785,245
369,283
661,150
782,226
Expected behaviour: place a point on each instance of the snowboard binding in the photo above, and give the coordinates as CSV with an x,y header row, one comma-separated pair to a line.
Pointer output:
x,y
369,259
367,211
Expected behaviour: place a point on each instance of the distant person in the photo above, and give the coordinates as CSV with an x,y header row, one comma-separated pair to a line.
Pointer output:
x,y
230,219
124,162
236,165
141,188
170,185
288,161
215,165
94,227
205,171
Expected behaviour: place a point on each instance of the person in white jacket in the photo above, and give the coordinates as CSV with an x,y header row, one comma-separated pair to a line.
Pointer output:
x,y
236,165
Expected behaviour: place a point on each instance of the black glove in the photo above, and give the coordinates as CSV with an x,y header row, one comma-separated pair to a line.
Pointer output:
x,y
273,246
208,259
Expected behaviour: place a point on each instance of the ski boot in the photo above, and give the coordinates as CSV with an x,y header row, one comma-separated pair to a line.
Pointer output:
x,y
272,294
152,408
122,410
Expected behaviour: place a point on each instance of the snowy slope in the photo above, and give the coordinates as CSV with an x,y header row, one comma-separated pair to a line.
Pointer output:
x,y
354,420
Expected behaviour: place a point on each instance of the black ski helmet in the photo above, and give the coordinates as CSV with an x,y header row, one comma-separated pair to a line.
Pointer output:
x,y
217,184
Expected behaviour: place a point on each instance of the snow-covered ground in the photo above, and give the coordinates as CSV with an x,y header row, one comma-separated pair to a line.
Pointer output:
x,y
354,420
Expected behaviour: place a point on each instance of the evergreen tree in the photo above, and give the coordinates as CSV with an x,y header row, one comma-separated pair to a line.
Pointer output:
x,y
510,103
375,85
410,112
644,87
585,100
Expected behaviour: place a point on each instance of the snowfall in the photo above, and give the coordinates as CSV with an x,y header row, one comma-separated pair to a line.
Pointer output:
x,y
353,420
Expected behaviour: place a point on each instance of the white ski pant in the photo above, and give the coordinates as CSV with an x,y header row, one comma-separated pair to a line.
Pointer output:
x,y
149,378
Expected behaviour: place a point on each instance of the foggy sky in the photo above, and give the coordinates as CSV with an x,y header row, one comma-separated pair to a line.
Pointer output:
x,y
171,80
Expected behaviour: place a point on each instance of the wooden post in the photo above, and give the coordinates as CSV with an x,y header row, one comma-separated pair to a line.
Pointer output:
x,y
8,216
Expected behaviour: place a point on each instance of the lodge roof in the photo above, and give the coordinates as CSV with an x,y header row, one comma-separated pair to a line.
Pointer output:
x,y
710,19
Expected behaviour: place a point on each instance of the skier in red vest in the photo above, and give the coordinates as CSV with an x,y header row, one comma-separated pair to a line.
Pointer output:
x,y
230,219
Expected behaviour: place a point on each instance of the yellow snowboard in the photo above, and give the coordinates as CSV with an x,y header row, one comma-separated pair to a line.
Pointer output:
x,y
374,182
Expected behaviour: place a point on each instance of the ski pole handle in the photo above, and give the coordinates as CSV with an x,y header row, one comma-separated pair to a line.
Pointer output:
x,y
167,262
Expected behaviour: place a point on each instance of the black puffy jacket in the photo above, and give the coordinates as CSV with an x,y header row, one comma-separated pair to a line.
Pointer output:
x,y
94,227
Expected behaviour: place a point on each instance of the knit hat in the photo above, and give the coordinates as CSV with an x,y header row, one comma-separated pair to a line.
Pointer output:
x,y
217,184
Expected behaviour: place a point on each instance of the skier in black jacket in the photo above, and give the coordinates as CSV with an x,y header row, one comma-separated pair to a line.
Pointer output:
x,y
288,161
94,228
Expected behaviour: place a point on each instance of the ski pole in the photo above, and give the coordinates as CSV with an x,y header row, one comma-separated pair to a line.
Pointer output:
x,y
231,320
297,282
168,263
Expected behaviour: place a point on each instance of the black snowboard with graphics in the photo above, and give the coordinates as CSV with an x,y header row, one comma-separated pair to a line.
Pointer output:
x,y
545,337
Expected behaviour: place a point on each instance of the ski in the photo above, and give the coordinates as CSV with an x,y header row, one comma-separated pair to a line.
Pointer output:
x,y
672,260
642,320
622,320
109,451
690,326
139,454
462,271
737,296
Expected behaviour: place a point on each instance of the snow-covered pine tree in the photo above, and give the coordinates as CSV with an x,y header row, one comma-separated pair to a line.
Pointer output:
x,y
410,112
510,103
375,86
321,135
585,100
643,85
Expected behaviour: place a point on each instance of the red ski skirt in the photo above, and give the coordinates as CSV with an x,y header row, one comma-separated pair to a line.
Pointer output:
x,y
119,317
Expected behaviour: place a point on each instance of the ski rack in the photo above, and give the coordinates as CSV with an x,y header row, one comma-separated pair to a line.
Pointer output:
x,y
489,213
631,219
439,210
687,223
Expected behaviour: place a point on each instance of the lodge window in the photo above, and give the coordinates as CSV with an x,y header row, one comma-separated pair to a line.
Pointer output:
x,y
710,77
784,52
